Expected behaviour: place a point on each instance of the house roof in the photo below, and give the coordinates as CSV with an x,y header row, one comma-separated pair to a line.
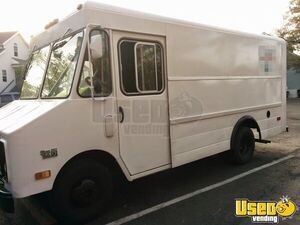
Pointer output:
x,y
19,61
4,36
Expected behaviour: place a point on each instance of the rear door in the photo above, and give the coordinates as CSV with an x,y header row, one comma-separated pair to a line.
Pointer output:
x,y
142,101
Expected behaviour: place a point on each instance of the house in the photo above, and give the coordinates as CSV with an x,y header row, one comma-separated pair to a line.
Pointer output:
x,y
14,52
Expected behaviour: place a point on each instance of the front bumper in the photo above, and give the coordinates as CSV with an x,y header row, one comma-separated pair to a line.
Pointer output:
x,y
6,199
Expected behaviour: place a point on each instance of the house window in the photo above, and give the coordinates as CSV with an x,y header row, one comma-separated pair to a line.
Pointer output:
x,y
4,76
141,67
16,50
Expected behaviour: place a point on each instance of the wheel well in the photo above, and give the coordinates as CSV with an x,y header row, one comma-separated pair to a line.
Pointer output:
x,y
245,121
100,156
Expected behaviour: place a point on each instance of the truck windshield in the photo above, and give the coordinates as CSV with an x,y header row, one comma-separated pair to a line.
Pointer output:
x,y
34,76
60,72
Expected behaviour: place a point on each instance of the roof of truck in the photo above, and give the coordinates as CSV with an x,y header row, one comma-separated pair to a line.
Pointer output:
x,y
96,6
149,16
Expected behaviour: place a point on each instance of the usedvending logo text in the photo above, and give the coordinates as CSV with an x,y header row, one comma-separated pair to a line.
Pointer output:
x,y
266,211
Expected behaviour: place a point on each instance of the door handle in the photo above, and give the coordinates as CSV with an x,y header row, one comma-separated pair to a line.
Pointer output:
x,y
121,113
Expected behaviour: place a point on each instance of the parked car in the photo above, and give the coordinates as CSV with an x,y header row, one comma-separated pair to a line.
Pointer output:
x,y
8,97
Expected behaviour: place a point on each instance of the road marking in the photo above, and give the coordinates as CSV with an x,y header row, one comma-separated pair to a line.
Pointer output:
x,y
197,192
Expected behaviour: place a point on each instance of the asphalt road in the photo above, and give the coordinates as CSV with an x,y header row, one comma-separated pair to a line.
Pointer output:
x,y
202,192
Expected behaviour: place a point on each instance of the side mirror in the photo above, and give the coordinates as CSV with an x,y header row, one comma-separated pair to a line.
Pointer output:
x,y
96,46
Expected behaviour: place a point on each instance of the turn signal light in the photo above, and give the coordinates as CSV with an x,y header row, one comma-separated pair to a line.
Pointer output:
x,y
42,175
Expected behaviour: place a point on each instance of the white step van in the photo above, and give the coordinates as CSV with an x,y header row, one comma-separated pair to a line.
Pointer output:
x,y
109,91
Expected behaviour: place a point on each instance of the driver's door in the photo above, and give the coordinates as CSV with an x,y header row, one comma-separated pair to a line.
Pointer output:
x,y
96,88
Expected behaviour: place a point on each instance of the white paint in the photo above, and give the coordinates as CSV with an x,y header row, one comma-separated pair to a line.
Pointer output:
x,y
197,192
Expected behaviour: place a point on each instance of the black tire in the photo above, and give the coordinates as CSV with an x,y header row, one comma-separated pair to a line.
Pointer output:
x,y
243,146
81,192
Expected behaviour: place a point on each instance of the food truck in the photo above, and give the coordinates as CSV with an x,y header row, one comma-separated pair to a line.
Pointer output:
x,y
110,91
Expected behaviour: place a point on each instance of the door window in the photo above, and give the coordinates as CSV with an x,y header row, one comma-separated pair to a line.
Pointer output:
x,y
141,67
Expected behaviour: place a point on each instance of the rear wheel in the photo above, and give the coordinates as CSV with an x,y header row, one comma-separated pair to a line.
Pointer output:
x,y
81,191
243,146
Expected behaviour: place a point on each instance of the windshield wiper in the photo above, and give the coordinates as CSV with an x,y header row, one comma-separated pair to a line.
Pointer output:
x,y
59,45
29,61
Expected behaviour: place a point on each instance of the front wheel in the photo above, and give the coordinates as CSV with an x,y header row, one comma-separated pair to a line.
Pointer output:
x,y
243,146
81,191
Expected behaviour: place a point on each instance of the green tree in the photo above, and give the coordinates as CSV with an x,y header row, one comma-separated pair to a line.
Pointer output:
x,y
19,72
291,33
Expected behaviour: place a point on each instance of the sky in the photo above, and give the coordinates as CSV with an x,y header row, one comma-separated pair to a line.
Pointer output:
x,y
254,16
